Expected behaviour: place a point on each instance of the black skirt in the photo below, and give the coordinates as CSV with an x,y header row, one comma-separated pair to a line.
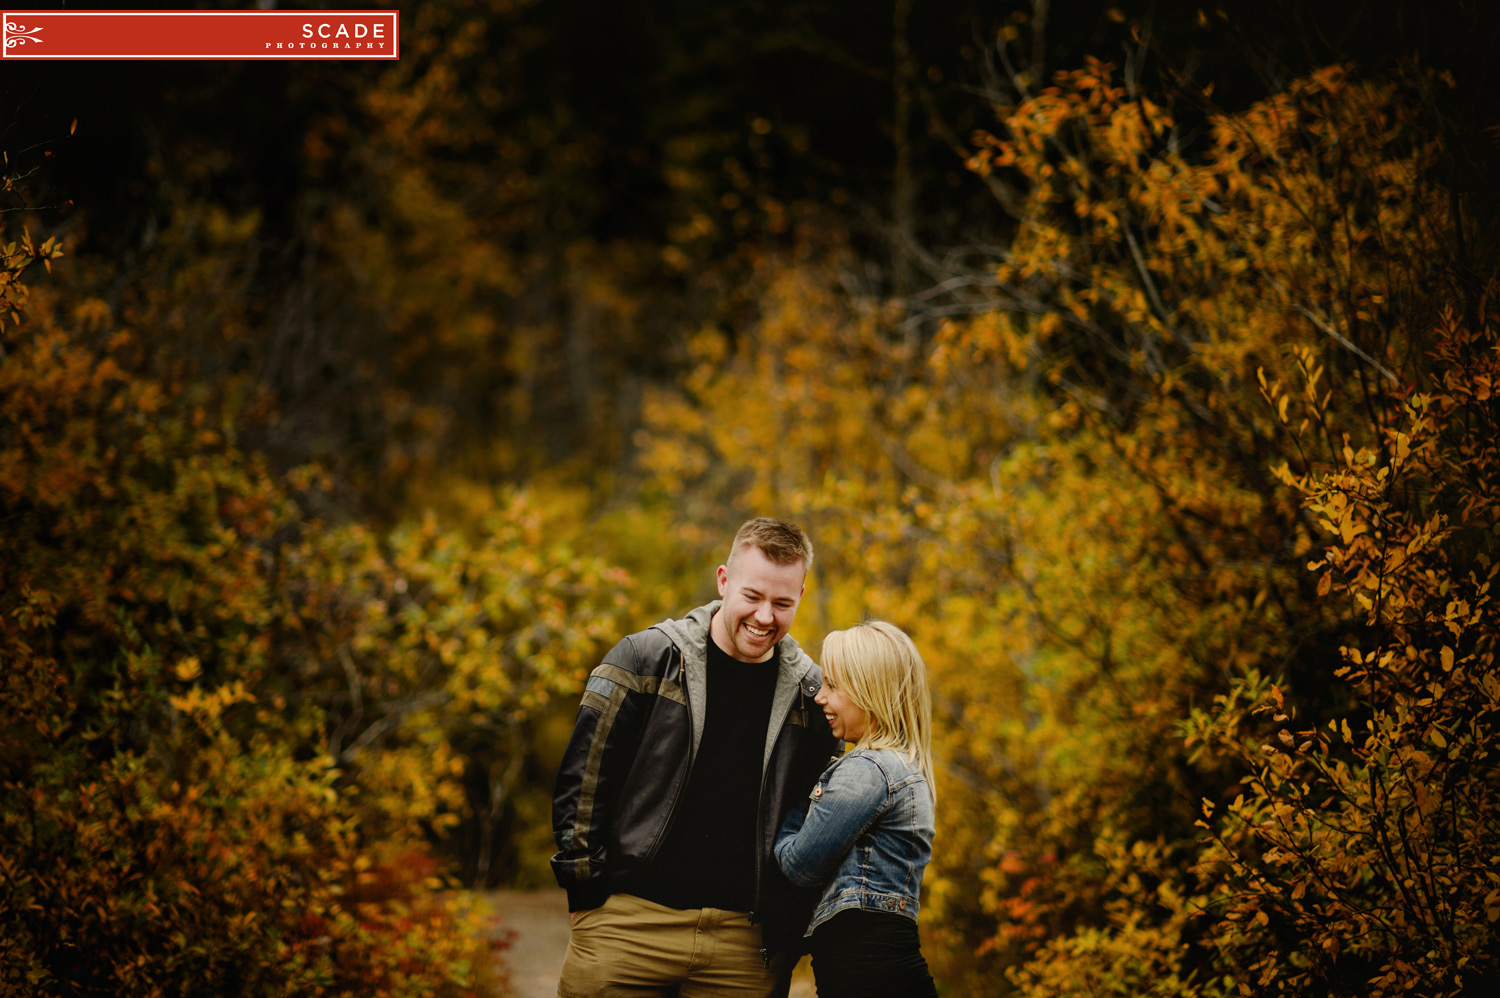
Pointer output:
x,y
857,953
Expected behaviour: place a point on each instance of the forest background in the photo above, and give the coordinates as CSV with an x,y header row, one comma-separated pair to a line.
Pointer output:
x,y
1138,358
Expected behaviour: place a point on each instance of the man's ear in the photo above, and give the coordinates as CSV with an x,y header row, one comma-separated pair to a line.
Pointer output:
x,y
723,579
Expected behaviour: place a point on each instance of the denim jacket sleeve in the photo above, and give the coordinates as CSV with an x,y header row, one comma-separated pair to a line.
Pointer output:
x,y
848,799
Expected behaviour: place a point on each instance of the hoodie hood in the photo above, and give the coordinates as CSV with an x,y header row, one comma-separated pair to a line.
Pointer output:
x,y
795,672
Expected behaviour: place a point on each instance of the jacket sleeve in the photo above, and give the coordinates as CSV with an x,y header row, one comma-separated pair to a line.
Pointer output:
x,y
605,737
850,798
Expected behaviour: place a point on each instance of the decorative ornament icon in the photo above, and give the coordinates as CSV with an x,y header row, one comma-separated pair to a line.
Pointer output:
x,y
19,34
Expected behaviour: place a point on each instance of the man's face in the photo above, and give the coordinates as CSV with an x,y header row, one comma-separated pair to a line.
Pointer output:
x,y
760,603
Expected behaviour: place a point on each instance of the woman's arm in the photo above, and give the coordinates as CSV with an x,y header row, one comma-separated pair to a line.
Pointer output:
x,y
809,849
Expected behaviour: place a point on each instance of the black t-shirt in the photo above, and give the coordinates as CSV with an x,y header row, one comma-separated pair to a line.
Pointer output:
x,y
708,858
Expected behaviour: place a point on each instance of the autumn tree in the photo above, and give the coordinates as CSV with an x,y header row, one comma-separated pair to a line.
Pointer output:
x,y
1080,503
1360,856
233,728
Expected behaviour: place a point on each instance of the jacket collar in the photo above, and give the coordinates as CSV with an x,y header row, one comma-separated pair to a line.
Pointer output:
x,y
691,636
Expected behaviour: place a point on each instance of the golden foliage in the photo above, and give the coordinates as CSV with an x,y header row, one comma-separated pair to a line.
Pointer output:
x,y
230,725
1371,845
1094,506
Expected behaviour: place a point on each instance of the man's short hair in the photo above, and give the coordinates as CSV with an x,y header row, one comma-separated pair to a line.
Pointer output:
x,y
783,542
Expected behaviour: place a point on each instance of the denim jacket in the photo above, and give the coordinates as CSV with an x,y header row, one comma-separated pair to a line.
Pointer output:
x,y
866,834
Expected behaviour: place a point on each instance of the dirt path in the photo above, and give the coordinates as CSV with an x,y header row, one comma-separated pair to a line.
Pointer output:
x,y
540,921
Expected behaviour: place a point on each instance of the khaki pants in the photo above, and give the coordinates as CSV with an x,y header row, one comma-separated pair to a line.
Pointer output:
x,y
629,947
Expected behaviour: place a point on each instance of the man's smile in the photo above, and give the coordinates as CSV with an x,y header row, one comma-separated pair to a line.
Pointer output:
x,y
759,605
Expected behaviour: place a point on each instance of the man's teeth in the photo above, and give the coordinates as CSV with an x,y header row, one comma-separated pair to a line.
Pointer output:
x,y
756,631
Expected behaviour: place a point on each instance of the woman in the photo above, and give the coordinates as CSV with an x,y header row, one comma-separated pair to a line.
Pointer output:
x,y
867,830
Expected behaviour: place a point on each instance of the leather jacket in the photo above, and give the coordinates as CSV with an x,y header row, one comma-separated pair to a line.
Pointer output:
x,y
865,835
638,729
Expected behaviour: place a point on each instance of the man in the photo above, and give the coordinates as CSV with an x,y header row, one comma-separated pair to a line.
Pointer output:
x,y
694,739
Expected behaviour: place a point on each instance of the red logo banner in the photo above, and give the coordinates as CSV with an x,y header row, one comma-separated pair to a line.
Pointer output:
x,y
198,34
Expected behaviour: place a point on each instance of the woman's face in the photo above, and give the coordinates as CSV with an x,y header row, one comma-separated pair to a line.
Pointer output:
x,y
848,721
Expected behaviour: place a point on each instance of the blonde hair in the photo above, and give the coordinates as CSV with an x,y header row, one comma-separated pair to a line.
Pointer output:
x,y
783,542
879,668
